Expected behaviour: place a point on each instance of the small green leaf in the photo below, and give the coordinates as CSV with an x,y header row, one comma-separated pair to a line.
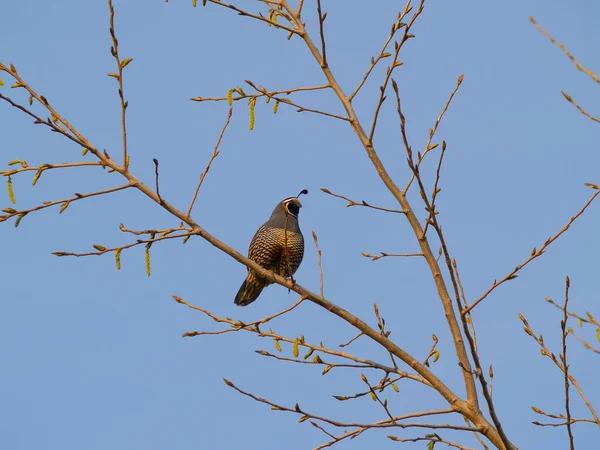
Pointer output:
x,y
148,266
125,62
11,194
100,248
19,217
64,206
36,177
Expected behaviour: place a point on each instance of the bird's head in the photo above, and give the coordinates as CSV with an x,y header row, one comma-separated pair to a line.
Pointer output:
x,y
290,205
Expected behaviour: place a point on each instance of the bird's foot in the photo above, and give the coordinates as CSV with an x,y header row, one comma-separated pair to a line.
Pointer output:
x,y
291,283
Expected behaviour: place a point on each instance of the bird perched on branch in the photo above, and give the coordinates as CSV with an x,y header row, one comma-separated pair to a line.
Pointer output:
x,y
275,239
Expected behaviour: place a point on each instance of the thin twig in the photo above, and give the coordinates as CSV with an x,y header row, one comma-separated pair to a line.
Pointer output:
x,y
395,63
581,110
241,12
263,93
534,254
62,202
26,168
361,203
321,20
561,367
236,325
585,343
592,75
429,147
388,423
156,173
434,438
103,250
215,153
319,262
563,326
589,319
159,232
120,65
383,255
382,54
352,340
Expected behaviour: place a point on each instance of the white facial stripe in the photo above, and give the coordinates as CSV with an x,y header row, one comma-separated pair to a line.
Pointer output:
x,y
286,202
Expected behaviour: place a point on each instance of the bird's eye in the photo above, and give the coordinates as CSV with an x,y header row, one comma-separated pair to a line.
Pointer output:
x,y
293,208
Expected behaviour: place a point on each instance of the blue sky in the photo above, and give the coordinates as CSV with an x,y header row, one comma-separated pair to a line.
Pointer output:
x,y
92,357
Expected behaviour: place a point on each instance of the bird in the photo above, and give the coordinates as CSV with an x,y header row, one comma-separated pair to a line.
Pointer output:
x,y
277,237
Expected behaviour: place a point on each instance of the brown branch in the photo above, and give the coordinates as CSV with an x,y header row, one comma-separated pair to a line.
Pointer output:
x,y
545,352
429,147
436,190
562,424
588,72
236,325
388,423
563,326
433,352
156,174
253,328
101,250
26,168
395,63
319,262
534,254
376,397
67,201
433,221
382,54
241,12
435,438
114,50
215,153
159,232
383,384
468,318
320,362
352,340
589,320
585,343
384,255
273,96
581,110
469,409
361,203
263,93
321,33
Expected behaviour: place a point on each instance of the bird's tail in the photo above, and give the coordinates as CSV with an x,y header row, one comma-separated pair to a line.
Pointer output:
x,y
250,290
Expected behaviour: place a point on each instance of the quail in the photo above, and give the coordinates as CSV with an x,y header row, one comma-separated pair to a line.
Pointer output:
x,y
277,237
